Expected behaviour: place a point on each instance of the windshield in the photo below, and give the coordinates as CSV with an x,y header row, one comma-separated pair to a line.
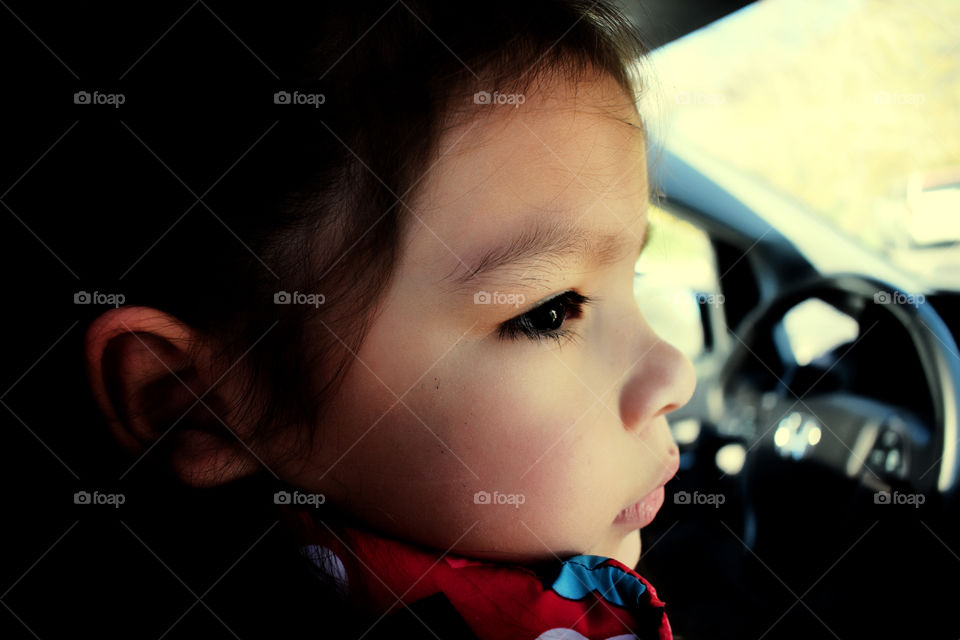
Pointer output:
x,y
852,107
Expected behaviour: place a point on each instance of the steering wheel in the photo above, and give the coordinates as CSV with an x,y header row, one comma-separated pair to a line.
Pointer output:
x,y
880,443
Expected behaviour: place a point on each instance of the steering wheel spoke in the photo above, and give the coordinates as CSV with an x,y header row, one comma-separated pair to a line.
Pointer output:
x,y
858,437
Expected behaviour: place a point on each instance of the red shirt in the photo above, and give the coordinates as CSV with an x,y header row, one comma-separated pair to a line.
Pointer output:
x,y
450,596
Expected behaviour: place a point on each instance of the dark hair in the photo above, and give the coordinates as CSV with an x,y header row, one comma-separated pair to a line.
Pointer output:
x,y
317,201
201,197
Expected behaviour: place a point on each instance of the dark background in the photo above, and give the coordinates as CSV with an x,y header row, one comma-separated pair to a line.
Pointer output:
x,y
89,195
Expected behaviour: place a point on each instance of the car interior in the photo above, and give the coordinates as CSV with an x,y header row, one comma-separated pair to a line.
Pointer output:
x,y
820,454
800,446
817,492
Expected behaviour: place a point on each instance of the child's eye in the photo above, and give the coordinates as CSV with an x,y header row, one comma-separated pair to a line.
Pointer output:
x,y
547,320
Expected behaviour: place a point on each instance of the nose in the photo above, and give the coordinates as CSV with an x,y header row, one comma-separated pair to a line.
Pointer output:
x,y
661,381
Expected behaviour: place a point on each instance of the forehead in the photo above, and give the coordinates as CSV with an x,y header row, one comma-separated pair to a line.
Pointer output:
x,y
570,152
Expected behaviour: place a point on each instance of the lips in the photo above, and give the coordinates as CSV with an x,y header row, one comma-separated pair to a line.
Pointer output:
x,y
642,512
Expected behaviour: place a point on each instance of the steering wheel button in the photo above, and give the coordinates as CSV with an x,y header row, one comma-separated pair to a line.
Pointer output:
x,y
890,439
892,462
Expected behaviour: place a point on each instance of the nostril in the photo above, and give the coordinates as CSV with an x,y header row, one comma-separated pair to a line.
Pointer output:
x,y
670,408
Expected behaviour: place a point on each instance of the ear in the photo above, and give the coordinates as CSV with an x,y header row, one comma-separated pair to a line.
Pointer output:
x,y
151,376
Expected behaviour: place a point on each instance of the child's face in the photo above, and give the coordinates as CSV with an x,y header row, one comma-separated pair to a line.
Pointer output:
x,y
439,407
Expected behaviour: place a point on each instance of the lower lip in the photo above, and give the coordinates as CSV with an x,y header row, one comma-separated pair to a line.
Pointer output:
x,y
642,513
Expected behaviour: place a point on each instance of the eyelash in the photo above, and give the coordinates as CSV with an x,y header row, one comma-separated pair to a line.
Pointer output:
x,y
567,303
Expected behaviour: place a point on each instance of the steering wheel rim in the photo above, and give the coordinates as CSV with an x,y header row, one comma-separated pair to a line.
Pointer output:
x,y
929,336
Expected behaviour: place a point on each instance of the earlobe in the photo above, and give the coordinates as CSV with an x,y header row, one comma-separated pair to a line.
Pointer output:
x,y
150,375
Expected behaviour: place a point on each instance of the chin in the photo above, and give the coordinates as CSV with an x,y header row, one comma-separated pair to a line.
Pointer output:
x,y
626,549
629,551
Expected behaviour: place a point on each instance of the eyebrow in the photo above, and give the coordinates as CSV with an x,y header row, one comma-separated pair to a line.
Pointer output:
x,y
542,249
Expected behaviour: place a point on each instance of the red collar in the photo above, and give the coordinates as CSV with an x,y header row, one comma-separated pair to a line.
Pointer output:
x,y
580,597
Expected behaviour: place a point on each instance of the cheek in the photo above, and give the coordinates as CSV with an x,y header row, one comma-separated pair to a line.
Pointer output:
x,y
507,419
504,425
545,441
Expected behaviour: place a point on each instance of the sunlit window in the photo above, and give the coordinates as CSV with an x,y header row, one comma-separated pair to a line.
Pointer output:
x,y
674,276
852,107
